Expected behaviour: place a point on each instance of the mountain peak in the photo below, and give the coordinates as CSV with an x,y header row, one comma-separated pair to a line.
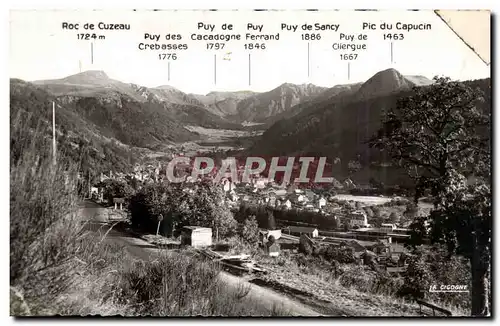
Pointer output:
x,y
384,82
167,88
89,75
93,73
419,80
297,86
92,77
388,73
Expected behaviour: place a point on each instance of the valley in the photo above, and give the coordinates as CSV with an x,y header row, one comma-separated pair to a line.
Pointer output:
x,y
290,120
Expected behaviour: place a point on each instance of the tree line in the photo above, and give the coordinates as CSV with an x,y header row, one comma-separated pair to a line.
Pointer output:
x,y
267,216
172,206
441,136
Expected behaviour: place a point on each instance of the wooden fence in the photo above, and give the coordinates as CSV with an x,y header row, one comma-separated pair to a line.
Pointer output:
x,y
434,308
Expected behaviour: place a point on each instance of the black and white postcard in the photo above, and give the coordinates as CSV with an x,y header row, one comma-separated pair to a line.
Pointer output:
x,y
248,163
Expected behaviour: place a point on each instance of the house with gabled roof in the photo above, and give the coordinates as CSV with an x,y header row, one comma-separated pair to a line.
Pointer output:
x,y
299,230
297,198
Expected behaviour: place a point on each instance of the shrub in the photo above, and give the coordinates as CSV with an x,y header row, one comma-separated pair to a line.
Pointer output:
x,y
305,246
411,211
341,255
394,217
367,280
313,265
176,285
368,211
436,267
249,231
417,278
236,245
203,207
45,230
224,221
271,222
115,189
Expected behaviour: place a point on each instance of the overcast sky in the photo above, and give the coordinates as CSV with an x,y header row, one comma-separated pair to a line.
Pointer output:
x,y
41,49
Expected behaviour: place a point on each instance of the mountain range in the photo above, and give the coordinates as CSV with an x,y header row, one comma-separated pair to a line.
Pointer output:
x,y
216,109
224,109
339,127
297,119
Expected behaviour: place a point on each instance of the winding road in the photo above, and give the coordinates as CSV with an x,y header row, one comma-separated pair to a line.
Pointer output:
x,y
141,249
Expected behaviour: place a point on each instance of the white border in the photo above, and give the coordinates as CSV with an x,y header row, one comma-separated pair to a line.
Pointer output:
x,y
188,4
257,4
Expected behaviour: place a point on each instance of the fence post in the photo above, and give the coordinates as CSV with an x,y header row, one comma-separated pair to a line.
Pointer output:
x,y
165,292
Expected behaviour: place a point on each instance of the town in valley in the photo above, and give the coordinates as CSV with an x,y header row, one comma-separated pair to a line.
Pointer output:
x,y
244,192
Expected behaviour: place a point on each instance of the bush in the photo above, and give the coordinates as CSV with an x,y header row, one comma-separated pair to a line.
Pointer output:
x,y
249,231
171,285
369,281
377,211
411,211
338,254
369,212
204,206
45,231
394,217
271,222
304,246
176,285
236,245
436,267
417,278
115,189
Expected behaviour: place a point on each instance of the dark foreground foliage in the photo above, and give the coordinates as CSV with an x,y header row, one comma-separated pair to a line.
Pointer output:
x,y
59,268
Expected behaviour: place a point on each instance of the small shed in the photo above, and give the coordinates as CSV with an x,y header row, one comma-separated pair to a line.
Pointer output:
x,y
94,191
265,234
381,248
196,236
273,249
119,201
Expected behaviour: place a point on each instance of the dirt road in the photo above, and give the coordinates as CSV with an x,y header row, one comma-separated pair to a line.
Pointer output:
x,y
145,251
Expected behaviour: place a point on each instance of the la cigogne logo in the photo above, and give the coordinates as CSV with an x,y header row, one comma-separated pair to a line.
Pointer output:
x,y
453,288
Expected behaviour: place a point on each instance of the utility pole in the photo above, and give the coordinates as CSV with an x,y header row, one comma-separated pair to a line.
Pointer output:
x,y
54,132
90,186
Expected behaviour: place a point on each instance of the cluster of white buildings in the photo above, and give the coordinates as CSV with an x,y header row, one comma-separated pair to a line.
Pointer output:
x,y
258,190
262,192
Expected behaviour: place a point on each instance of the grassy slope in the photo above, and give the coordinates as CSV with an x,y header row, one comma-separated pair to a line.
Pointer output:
x,y
59,268
353,293
77,137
